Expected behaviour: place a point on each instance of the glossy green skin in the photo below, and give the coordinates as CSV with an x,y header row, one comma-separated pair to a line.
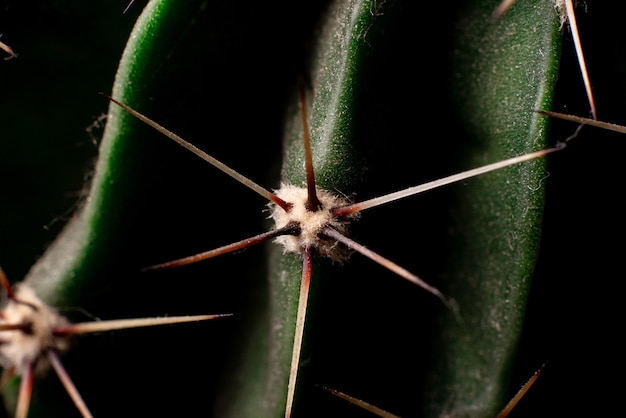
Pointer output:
x,y
376,126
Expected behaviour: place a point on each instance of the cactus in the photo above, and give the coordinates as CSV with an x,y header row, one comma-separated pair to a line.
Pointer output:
x,y
224,77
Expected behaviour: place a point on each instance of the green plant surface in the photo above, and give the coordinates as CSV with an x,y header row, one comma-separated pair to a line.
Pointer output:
x,y
410,109
487,272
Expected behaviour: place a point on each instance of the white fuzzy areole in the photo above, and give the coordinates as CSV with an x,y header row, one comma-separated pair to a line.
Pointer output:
x,y
20,348
310,222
